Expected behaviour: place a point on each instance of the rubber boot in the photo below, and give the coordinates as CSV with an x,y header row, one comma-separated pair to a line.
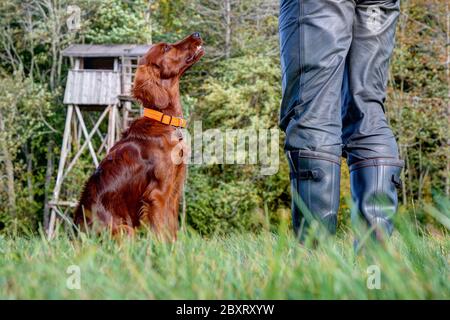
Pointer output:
x,y
315,181
373,186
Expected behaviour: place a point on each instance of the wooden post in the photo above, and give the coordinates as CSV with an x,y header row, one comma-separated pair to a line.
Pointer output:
x,y
80,151
447,176
148,21
86,135
111,126
62,162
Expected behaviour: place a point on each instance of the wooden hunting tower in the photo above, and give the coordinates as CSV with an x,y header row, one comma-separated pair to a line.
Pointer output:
x,y
99,108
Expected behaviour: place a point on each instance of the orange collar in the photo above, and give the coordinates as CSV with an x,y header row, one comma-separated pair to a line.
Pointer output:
x,y
164,118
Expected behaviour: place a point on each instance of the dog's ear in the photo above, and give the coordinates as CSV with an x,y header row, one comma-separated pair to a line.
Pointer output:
x,y
147,87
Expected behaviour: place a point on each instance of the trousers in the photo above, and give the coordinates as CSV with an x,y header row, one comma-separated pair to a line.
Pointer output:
x,y
335,60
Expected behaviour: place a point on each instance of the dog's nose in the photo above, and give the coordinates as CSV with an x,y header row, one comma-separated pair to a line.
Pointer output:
x,y
196,35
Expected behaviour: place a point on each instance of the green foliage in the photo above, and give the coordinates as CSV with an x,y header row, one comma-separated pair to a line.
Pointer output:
x,y
24,106
421,127
117,21
238,89
242,92
418,100
216,207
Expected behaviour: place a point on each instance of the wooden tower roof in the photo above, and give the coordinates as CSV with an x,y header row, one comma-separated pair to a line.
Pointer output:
x,y
106,50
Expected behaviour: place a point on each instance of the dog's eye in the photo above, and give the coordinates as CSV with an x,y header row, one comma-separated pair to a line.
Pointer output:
x,y
166,48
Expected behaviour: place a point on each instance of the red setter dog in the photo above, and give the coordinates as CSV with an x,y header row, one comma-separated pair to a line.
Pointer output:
x,y
139,182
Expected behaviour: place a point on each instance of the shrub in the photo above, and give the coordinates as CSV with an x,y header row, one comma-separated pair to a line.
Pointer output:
x,y
216,207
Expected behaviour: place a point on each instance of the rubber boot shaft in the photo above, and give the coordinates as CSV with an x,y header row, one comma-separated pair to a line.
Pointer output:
x,y
315,180
373,185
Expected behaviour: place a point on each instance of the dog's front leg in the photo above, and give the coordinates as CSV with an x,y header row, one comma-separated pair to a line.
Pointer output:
x,y
154,214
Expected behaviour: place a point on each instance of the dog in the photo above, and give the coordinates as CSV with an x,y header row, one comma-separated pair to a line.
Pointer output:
x,y
140,180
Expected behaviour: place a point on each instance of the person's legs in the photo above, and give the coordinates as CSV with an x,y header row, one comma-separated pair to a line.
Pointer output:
x,y
369,144
315,178
315,37
366,133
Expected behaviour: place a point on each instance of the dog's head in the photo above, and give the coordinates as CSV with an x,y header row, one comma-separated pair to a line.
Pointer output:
x,y
161,65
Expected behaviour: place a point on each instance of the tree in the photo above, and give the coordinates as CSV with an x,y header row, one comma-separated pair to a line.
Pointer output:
x,y
23,105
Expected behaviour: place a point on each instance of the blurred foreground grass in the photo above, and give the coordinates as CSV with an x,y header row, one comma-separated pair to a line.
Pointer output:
x,y
413,265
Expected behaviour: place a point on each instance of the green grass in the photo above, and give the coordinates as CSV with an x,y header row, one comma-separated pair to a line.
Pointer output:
x,y
246,266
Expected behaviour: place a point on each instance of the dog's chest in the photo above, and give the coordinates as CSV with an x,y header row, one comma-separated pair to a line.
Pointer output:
x,y
180,149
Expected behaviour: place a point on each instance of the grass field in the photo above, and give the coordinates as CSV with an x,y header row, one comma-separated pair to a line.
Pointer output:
x,y
413,265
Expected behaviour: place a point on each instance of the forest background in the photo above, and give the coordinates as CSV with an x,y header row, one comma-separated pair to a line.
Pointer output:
x,y
236,85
